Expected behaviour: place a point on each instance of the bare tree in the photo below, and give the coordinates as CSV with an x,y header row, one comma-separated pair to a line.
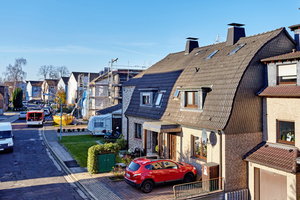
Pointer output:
x,y
53,72
14,73
43,71
63,71
1,80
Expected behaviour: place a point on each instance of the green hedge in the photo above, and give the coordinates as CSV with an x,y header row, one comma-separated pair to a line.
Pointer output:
x,y
94,151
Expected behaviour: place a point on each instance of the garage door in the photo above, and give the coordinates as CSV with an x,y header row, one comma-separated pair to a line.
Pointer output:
x,y
272,185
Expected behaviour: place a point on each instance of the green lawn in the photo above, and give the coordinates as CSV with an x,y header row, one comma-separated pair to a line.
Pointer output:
x,y
78,146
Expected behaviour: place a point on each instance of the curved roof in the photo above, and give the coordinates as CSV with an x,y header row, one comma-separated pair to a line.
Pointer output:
x,y
223,73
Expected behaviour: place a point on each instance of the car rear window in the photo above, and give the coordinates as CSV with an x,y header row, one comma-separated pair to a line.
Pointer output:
x,y
133,166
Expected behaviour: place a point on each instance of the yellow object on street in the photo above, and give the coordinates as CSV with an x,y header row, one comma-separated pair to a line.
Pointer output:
x,y
66,119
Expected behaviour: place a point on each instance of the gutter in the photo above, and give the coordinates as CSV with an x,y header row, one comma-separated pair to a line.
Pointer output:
x,y
127,134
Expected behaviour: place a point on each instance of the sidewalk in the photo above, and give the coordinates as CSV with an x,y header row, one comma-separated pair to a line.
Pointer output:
x,y
9,117
92,186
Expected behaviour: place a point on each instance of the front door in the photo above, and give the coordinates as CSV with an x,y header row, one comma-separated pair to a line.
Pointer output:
x,y
173,146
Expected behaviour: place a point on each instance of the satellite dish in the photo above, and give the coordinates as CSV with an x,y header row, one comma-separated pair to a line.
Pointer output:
x,y
213,138
204,137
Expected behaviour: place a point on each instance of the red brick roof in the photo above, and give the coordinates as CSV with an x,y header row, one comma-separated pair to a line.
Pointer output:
x,y
281,91
277,156
288,56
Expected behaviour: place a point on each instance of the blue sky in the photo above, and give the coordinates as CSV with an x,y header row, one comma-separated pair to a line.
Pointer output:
x,y
86,35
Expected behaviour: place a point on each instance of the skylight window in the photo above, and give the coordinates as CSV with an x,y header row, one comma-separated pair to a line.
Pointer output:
x,y
158,99
198,52
236,49
211,55
176,93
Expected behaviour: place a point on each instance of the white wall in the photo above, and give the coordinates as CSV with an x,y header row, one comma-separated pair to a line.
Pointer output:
x,y
72,89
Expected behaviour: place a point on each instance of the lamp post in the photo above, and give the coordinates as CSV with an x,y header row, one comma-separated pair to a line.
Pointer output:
x,y
60,111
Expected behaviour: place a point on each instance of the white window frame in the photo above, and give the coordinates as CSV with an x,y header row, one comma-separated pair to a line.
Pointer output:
x,y
150,94
287,72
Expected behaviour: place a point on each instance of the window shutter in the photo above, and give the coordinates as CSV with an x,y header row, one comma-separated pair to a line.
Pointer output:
x,y
287,70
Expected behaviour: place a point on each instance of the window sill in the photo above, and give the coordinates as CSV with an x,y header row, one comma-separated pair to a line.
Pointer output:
x,y
191,109
138,139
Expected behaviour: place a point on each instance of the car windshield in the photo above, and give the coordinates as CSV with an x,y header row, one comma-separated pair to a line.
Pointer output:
x,y
133,166
5,134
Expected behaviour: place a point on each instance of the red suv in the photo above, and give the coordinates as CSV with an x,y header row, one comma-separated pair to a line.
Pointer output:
x,y
144,173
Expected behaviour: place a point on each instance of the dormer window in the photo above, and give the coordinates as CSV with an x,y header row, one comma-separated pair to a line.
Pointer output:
x,y
146,99
147,96
287,74
192,99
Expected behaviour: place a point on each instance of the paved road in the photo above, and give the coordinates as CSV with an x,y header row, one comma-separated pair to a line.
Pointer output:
x,y
28,172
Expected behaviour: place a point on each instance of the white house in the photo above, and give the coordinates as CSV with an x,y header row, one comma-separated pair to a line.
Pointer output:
x,y
73,84
33,90
49,86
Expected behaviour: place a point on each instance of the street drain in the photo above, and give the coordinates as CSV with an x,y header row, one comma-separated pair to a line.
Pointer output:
x,y
71,163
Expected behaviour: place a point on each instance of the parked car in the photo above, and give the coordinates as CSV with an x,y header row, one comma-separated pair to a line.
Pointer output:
x,y
145,173
46,112
49,108
22,115
25,103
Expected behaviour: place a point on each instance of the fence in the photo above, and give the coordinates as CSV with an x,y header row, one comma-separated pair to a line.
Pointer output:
x,y
237,195
189,190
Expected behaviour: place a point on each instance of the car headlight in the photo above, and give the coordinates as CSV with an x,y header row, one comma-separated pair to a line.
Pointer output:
x,y
10,144
194,168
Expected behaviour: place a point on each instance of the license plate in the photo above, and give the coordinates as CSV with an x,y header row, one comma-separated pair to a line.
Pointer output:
x,y
128,175
1,149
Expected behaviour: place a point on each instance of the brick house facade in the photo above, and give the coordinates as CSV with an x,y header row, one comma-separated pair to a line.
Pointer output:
x,y
210,91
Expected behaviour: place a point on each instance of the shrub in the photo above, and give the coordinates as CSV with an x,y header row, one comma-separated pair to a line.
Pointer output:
x,y
121,142
94,151
73,130
64,130
118,172
78,129
58,130
83,129
69,130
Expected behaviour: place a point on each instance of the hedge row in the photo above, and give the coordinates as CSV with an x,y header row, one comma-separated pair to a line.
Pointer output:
x,y
94,151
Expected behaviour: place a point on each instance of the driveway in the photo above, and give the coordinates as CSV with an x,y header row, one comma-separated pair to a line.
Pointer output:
x,y
126,191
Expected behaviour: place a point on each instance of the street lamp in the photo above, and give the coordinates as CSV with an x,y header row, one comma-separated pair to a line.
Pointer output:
x,y
60,110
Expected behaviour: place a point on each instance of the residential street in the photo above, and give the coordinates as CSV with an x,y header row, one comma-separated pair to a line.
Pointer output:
x,y
28,172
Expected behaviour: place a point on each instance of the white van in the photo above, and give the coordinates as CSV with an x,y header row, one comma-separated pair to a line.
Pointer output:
x,y
6,137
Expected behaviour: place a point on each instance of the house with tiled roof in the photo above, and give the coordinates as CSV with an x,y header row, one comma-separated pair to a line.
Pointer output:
x,y
73,84
34,90
200,105
273,165
49,86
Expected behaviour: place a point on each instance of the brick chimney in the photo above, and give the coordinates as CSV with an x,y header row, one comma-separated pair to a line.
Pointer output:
x,y
296,29
235,32
191,43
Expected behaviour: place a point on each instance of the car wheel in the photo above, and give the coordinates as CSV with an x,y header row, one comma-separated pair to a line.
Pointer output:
x,y
147,186
188,178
